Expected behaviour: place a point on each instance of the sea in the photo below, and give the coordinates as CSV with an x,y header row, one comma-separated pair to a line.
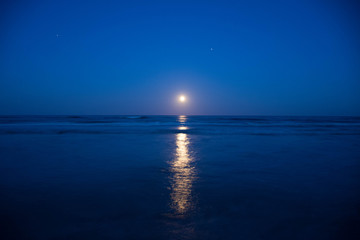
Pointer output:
x,y
179,177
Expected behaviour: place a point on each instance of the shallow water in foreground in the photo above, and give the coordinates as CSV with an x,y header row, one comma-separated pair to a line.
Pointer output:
x,y
179,177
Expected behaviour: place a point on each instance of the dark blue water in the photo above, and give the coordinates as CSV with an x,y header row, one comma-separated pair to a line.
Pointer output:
x,y
179,177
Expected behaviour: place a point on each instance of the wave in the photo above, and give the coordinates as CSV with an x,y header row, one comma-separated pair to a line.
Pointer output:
x,y
138,124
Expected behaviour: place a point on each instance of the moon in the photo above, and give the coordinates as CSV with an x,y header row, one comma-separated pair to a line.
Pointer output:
x,y
182,98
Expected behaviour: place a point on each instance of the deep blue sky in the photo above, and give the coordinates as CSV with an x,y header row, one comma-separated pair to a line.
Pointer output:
x,y
135,57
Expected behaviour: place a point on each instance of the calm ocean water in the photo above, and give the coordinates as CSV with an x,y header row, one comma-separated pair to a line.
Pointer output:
x,y
179,177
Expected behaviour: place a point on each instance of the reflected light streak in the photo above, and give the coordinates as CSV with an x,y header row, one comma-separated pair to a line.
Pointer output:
x,y
182,177
182,119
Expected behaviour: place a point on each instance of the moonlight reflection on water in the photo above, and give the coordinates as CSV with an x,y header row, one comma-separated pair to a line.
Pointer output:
x,y
183,175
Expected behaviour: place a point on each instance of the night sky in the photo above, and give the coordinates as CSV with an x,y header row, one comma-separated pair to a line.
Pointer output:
x,y
136,57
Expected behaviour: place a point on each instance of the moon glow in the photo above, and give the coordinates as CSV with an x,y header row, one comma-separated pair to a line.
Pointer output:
x,y
182,98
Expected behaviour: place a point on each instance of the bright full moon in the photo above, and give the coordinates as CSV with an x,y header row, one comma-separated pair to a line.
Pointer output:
x,y
182,98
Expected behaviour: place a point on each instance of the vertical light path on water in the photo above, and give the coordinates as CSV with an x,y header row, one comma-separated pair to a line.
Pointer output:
x,y
183,174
